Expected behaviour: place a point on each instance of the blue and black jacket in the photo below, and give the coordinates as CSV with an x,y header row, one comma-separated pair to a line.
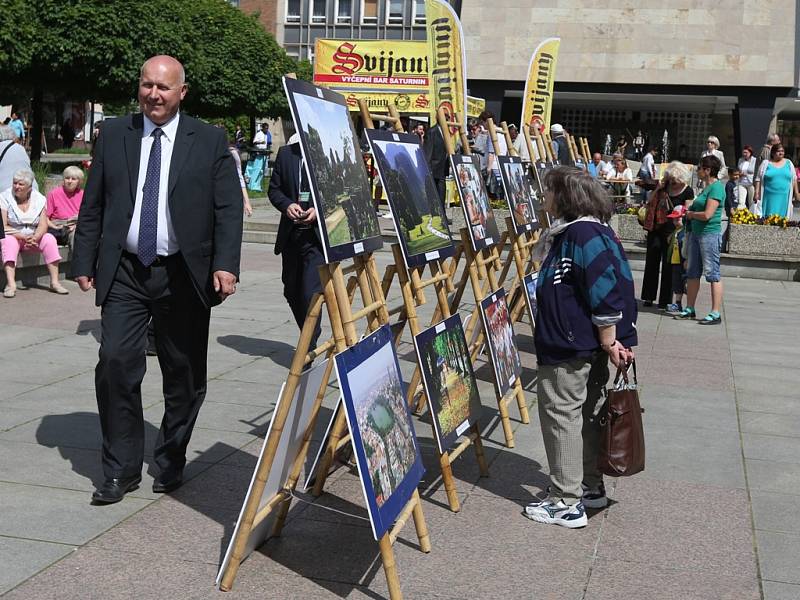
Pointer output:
x,y
584,281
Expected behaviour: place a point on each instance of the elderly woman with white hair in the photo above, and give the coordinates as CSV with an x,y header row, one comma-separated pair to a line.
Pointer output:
x,y
673,190
64,203
23,211
712,149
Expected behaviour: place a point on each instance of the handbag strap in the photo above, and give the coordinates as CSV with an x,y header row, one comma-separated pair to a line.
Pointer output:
x,y
624,374
6,149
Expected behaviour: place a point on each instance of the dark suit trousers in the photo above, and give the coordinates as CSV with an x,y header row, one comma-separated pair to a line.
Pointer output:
x,y
657,257
441,189
302,257
163,292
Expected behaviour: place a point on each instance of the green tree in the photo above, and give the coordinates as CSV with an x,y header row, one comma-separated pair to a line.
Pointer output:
x,y
96,48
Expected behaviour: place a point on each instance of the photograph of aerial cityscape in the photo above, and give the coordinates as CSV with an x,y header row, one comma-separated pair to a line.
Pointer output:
x,y
505,357
477,210
335,167
518,193
382,433
417,212
449,380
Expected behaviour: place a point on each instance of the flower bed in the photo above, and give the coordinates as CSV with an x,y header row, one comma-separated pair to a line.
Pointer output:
x,y
763,236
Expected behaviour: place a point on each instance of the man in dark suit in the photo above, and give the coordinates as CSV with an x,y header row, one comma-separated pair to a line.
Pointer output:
x,y
298,240
438,160
159,236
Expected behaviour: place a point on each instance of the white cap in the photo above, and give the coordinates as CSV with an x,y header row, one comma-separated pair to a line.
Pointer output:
x,y
556,128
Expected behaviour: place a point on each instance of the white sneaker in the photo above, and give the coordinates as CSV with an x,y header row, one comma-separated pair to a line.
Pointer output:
x,y
557,513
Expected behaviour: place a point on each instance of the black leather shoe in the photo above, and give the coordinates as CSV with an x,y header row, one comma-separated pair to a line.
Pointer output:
x,y
167,482
114,490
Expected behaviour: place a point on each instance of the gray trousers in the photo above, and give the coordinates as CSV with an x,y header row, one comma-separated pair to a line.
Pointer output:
x,y
570,397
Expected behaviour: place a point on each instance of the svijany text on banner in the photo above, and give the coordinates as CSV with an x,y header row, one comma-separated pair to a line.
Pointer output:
x,y
537,104
448,60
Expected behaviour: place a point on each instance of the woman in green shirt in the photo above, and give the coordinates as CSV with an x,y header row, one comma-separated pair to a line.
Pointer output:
x,y
704,224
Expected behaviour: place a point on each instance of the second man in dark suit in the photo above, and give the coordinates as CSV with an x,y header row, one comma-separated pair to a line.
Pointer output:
x,y
298,240
159,236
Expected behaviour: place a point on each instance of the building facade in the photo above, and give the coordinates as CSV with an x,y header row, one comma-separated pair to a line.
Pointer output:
x,y
677,66
676,70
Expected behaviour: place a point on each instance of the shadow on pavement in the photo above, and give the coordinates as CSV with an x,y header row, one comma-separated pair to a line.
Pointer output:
x,y
89,327
70,433
280,352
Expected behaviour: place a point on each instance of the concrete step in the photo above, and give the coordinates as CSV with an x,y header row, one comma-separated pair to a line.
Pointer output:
x,y
259,237
259,225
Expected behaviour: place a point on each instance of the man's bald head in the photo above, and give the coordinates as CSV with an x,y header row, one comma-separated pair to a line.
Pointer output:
x,y
164,62
162,86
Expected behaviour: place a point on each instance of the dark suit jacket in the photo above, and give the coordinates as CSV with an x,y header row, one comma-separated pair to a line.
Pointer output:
x,y
436,153
284,189
205,203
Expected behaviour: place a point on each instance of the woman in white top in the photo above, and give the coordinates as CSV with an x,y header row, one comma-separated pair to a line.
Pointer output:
x,y
620,177
712,149
747,173
24,215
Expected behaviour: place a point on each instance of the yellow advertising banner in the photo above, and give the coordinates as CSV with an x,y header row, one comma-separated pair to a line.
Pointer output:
x,y
377,65
475,106
379,102
448,72
537,103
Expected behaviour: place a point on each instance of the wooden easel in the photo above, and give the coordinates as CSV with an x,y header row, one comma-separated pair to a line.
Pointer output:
x,y
412,286
480,269
521,244
338,300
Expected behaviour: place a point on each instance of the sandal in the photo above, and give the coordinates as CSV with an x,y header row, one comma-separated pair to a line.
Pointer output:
x,y
686,313
711,319
57,288
9,292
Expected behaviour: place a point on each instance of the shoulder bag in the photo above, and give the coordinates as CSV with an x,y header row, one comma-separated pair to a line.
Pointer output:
x,y
621,430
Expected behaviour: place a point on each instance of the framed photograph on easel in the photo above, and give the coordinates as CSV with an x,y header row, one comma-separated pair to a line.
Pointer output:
x,y
530,281
478,212
381,430
517,187
336,172
417,212
449,380
503,347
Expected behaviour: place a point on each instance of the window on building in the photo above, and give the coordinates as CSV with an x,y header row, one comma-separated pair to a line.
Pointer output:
x,y
344,11
292,11
419,12
369,11
394,12
318,11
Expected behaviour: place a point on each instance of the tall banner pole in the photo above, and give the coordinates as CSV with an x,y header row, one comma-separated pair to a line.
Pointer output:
x,y
448,61
537,103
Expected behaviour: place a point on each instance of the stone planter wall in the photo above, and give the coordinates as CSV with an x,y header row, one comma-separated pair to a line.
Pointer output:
x,y
764,240
456,213
628,228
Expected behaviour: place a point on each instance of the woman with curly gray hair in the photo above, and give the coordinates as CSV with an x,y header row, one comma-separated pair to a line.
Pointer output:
x,y
673,190
586,315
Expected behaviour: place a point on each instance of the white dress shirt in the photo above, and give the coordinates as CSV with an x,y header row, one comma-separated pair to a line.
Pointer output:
x,y
166,243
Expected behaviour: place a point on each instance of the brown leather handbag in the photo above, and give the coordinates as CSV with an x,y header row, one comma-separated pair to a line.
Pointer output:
x,y
621,431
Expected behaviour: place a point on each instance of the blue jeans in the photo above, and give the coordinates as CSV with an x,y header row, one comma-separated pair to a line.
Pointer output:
x,y
703,256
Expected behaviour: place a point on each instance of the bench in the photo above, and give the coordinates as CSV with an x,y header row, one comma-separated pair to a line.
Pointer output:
x,y
32,270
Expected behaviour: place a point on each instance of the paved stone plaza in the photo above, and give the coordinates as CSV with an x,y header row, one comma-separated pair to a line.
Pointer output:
x,y
712,516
